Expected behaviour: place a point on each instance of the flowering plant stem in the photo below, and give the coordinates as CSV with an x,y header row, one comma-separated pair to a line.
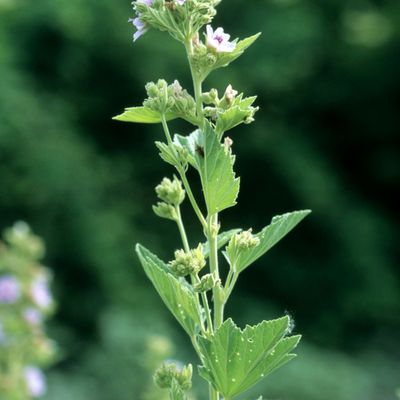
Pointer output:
x,y
232,359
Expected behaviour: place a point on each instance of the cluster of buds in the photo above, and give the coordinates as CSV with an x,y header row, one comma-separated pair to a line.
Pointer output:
x,y
25,302
230,100
240,242
188,263
207,283
180,18
165,98
172,195
174,371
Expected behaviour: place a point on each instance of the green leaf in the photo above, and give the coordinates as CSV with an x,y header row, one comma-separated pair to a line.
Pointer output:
x,y
224,59
177,295
280,226
190,143
143,115
222,239
236,115
167,153
234,360
176,392
215,165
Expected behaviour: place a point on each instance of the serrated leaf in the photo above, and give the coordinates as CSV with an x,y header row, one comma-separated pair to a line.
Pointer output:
x,y
143,115
222,239
176,294
224,59
236,114
280,226
234,360
230,118
215,164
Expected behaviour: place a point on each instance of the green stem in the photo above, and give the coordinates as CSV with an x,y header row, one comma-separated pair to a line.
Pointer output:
x,y
212,238
206,308
197,85
182,174
228,290
182,231
217,291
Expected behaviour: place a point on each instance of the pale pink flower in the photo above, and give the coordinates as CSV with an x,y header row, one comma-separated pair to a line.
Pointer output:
x,y
219,40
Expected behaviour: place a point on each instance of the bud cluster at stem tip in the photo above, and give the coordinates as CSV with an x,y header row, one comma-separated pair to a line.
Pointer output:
x,y
170,371
188,263
172,195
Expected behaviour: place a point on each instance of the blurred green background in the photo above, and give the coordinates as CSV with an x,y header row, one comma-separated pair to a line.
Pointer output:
x,y
326,138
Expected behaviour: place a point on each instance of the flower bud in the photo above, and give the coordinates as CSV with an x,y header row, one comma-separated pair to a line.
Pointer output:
x,y
246,240
188,263
171,192
240,242
170,371
230,95
207,283
164,210
211,97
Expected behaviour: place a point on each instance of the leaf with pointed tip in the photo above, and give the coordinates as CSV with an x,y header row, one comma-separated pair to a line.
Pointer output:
x,y
143,115
237,114
280,226
234,360
224,59
222,239
215,164
176,294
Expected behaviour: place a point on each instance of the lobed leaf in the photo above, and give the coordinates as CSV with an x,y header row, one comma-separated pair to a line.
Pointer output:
x,y
280,226
176,294
234,360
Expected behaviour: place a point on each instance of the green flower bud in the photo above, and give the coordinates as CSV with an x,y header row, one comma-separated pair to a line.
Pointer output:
x,y
207,283
246,240
157,96
164,210
211,97
188,263
171,192
168,372
240,242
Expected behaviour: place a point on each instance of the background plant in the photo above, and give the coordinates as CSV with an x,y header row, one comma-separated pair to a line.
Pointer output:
x,y
233,360
25,303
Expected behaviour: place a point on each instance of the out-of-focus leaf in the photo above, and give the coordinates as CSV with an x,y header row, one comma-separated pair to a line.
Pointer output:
x,y
143,115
